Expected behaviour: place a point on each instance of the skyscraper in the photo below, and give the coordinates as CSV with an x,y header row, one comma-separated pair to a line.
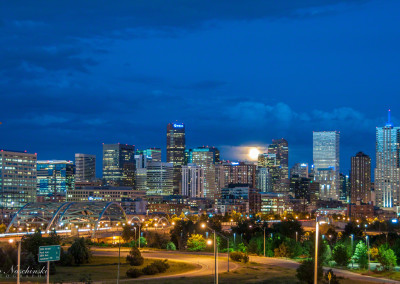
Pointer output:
x,y
159,178
192,180
326,158
205,157
387,172
85,167
119,164
360,178
55,178
17,179
270,162
176,151
280,148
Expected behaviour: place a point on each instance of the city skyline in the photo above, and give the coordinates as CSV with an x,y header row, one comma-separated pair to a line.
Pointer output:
x,y
238,76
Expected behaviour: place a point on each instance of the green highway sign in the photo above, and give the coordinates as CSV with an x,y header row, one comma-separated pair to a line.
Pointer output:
x,y
49,253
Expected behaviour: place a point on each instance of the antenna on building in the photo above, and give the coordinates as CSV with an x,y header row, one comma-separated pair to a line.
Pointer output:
x,y
389,116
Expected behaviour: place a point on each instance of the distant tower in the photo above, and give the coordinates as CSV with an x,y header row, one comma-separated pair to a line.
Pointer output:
x,y
85,167
119,164
176,145
387,176
326,156
360,178
280,148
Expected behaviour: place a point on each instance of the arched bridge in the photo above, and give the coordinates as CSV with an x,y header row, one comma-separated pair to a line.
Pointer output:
x,y
67,217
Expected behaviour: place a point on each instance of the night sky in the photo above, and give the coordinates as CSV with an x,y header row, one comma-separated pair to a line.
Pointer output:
x,y
75,74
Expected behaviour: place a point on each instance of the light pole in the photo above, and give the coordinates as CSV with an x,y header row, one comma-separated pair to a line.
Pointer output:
x,y
216,251
139,236
19,260
369,260
119,258
316,249
264,241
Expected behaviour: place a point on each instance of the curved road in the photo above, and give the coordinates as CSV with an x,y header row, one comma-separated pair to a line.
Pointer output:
x,y
205,263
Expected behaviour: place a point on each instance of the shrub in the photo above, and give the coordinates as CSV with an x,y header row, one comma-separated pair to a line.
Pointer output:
x,y
196,243
340,255
161,265
239,256
150,269
134,273
171,246
305,272
282,251
134,257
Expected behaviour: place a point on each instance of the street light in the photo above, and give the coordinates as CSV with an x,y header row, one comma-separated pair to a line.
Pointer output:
x,y
316,249
216,250
19,259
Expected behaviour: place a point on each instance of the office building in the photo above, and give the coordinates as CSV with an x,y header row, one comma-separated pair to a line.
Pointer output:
x,y
387,172
142,157
300,170
205,157
270,162
85,167
264,181
280,148
55,178
192,180
17,179
119,164
326,158
176,145
160,178
360,178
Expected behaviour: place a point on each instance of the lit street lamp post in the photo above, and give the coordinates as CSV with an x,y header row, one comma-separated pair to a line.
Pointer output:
x,y
264,241
216,251
316,249
19,260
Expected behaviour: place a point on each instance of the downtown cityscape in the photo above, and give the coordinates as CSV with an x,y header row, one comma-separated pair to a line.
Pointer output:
x,y
200,142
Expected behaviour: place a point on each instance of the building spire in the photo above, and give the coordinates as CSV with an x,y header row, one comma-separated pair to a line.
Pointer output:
x,y
389,122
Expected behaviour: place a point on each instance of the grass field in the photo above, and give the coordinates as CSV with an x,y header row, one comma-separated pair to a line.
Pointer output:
x,y
102,268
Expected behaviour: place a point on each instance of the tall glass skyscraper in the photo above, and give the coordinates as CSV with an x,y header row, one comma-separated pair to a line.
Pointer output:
x,y
176,145
326,156
85,167
387,172
119,164
206,157
17,179
55,178
280,148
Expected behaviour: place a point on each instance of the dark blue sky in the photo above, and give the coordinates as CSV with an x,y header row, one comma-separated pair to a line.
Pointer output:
x,y
74,74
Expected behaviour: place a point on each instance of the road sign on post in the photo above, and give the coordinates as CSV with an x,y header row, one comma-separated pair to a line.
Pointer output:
x,y
49,253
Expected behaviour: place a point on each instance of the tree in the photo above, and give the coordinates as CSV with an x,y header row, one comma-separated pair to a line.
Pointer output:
x,y
134,257
305,272
127,233
352,229
289,228
360,255
157,240
3,228
386,257
196,243
80,251
340,255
